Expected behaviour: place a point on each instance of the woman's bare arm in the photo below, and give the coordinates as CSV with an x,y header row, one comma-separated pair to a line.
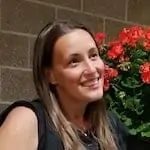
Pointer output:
x,y
20,130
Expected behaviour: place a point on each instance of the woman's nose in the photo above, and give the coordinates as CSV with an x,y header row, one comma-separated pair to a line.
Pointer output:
x,y
90,68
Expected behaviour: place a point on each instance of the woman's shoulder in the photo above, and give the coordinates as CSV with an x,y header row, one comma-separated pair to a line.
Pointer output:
x,y
116,124
19,124
19,116
27,116
23,106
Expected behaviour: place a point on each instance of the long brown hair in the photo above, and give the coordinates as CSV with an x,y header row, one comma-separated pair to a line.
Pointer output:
x,y
96,111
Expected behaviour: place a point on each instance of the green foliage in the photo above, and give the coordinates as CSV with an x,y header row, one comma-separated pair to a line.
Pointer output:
x,y
128,94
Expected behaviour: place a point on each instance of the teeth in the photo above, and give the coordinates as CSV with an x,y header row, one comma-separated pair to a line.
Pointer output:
x,y
91,82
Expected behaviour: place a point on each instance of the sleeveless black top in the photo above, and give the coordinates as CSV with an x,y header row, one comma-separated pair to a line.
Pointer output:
x,y
49,139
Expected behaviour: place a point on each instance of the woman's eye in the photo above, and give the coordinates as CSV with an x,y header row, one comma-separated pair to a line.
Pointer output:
x,y
94,56
74,62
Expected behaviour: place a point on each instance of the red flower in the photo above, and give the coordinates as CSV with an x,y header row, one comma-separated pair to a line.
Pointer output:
x,y
124,36
116,49
113,73
145,72
136,32
109,74
147,34
99,37
131,35
106,84
146,44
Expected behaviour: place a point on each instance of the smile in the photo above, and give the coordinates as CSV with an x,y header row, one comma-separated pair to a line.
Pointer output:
x,y
93,83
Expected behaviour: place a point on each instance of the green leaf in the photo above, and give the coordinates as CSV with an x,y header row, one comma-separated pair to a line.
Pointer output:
x,y
138,53
131,83
133,131
128,121
145,134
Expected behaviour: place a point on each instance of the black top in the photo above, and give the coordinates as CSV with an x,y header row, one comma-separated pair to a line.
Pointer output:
x,y
49,139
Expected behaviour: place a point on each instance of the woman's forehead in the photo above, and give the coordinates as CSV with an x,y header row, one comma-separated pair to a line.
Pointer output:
x,y
74,42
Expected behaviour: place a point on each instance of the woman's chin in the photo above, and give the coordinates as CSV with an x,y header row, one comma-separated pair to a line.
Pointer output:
x,y
94,96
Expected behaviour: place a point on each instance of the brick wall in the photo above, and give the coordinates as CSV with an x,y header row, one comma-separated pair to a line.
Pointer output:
x,y
20,21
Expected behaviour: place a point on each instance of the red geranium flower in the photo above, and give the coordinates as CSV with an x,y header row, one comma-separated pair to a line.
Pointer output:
x,y
147,34
146,44
131,35
145,72
109,74
106,84
116,49
99,37
124,36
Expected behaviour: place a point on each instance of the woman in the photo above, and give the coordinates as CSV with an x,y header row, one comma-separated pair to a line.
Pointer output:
x,y
70,113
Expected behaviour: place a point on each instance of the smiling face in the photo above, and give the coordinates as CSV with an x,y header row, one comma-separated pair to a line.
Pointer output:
x,y
77,68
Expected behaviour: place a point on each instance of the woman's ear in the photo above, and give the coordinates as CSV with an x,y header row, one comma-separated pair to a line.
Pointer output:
x,y
50,76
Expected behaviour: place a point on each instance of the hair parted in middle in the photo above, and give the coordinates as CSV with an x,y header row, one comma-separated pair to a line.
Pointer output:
x,y
95,111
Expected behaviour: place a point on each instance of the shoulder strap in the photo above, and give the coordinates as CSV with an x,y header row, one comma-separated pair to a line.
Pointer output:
x,y
37,108
48,138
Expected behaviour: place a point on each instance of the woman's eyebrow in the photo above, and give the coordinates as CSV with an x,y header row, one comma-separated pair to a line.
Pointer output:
x,y
93,49
74,55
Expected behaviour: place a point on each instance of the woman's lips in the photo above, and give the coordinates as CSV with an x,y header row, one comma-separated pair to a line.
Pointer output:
x,y
92,83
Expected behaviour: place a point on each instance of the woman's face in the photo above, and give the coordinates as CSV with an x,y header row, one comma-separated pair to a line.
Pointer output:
x,y
77,68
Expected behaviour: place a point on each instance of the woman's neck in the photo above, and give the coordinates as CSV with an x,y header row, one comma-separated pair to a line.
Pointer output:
x,y
74,111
